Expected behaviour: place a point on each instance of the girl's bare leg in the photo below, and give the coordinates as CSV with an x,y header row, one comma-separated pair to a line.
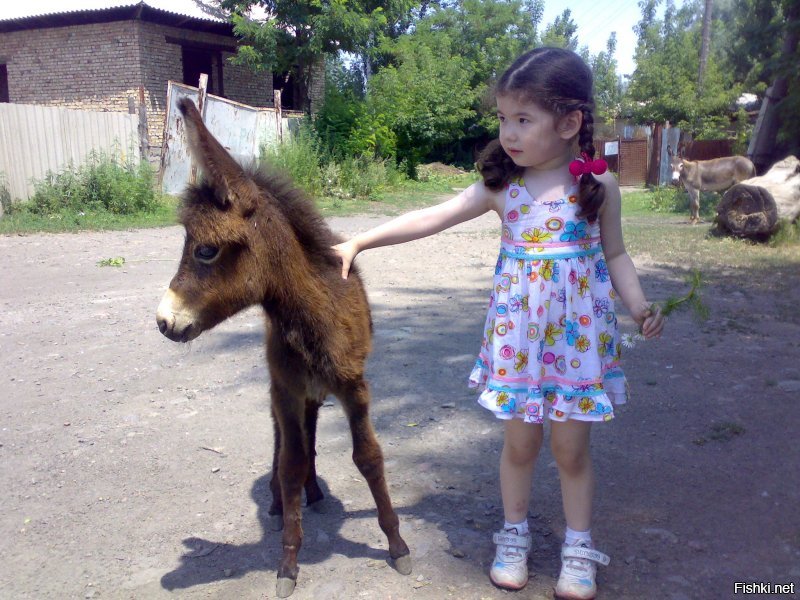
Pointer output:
x,y
520,451
570,445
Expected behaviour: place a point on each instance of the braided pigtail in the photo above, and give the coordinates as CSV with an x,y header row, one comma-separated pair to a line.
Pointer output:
x,y
591,193
496,167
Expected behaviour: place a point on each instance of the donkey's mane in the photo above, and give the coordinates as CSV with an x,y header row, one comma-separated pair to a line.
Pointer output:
x,y
308,225
299,212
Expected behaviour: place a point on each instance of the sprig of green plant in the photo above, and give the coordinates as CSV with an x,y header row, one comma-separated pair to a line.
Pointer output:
x,y
692,300
117,261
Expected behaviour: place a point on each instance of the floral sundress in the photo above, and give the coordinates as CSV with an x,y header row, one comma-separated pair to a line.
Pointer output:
x,y
550,340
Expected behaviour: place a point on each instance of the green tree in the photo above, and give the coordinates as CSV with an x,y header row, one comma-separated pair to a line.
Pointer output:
x,y
489,34
424,96
561,33
751,34
474,41
607,88
664,85
297,35
429,95
761,50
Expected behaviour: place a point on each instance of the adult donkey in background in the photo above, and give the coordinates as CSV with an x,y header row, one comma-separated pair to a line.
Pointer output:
x,y
254,239
708,175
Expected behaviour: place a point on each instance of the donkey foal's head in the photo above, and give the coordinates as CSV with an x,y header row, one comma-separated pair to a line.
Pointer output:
x,y
220,272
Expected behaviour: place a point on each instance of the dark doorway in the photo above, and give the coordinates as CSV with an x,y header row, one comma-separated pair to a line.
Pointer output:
x,y
196,61
285,82
4,97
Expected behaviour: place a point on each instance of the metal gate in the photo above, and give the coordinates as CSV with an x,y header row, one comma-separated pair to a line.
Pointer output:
x,y
240,128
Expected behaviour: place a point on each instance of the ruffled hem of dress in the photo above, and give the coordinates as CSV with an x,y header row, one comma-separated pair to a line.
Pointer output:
x,y
533,404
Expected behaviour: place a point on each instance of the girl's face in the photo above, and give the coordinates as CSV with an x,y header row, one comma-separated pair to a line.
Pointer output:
x,y
532,136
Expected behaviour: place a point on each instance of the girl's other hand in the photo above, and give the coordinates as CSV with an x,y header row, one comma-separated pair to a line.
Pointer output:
x,y
347,252
650,320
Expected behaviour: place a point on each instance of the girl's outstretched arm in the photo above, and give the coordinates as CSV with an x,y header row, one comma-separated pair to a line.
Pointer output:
x,y
620,266
472,202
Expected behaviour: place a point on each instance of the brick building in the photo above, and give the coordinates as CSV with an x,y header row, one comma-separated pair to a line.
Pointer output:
x,y
97,59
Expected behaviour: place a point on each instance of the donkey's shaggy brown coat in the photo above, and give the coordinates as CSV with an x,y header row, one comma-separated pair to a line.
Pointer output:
x,y
255,239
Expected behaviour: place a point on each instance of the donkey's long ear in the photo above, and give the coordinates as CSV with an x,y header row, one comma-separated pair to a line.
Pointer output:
x,y
231,184
669,150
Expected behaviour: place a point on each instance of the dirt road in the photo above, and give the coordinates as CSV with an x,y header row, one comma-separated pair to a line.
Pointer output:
x,y
133,467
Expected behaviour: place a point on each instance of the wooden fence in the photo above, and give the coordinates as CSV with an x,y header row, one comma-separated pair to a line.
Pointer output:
x,y
37,139
626,158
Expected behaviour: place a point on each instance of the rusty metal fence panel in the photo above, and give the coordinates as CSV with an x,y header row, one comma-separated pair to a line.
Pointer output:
x,y
670,138
241,129
707,149
36,139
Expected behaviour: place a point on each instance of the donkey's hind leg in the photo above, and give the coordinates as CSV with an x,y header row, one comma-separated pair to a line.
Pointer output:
x,y
313,492
292,468
368,458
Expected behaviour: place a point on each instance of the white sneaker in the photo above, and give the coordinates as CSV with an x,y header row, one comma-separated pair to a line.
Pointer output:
x,y
578,570
510,566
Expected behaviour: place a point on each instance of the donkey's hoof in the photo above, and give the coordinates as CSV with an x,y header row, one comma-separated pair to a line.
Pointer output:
x,y
285,587
321,507
402,564
276,522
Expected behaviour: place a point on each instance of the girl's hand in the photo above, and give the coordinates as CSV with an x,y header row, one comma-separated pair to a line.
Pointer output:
x,y
347,252
650,320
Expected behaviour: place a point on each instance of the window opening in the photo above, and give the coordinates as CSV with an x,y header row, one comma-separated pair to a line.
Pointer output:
x,y
4,96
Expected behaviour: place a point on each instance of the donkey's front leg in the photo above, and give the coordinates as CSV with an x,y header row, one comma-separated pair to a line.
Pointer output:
x,y
694,204
368,458
292,470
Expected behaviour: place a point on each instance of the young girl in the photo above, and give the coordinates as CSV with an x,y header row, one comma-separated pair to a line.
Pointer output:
x,y
550,343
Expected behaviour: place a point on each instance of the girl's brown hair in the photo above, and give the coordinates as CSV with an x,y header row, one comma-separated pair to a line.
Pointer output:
x,y
558,81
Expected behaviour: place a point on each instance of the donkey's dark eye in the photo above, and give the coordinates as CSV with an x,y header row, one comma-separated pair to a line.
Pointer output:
x,y
206,253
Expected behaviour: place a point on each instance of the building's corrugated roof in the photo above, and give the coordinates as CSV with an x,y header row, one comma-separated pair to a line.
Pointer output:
x,y
125,12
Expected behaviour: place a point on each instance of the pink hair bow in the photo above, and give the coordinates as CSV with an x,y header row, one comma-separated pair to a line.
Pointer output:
x,y
587,166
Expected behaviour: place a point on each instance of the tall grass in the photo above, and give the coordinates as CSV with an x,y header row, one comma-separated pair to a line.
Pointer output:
x,y
788,234
104,193
671,199
323,174
5,195
102,183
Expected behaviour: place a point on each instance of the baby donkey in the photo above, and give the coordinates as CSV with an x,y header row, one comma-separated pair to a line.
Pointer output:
x,y
255,239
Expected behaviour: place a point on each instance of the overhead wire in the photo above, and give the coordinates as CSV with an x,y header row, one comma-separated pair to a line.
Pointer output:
x,y
598,26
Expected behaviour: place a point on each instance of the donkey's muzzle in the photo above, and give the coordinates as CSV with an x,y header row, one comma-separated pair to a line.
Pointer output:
x,y
174,320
